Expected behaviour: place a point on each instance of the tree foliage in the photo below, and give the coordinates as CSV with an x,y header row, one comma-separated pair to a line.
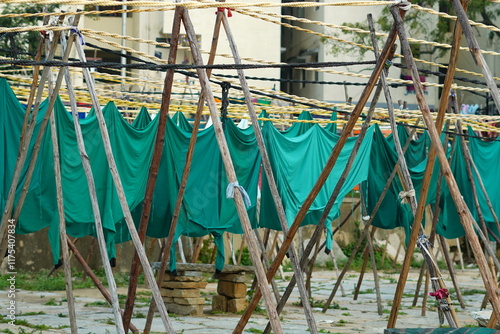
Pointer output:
x,y
16,44
418,26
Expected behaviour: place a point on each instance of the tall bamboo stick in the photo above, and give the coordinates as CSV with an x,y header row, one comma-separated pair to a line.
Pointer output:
x,y
231,175
122,198
272,182
428,172
153,171
93,277
464,213
91,186
62,228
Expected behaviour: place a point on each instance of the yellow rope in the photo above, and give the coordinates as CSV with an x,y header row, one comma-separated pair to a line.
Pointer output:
x,y
451,17
195,5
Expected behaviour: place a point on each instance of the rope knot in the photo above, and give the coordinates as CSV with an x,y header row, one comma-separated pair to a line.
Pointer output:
x,y
221,9
440,294
76,31
403,4
244,194
405,195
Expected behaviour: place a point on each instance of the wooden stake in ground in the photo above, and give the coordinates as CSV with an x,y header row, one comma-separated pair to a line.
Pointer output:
x,y
231,176
62,228
148,272
464,213
427,176
91,186
269,174
93,277
153,169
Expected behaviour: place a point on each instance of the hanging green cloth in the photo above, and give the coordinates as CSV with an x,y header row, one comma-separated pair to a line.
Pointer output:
x,y
142,119
297,163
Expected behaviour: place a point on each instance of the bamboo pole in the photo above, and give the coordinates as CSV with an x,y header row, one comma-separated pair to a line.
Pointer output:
x,y
24,147
231,175
475,50
91,185
153,171
428,170
465,216
62,228
323,176
93,277
410,195
148,272
187,166
272,184
34,84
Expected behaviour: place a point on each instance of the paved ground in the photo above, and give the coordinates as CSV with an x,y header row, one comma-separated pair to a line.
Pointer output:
x,y
351,316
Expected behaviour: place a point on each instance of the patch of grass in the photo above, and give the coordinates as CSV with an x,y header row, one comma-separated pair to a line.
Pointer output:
x,y
7,331
255,330
139,315
367,291
97,304
470,292
346,314
32,313
62,315
52,302
318,303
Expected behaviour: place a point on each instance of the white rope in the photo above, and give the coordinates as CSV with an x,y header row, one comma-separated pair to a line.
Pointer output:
x,y
405,195
230,193
403,4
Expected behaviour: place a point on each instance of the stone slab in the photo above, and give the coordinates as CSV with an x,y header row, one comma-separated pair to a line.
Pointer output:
x,y
208,268
231,289
183,285
168,300
237,278
219,303
185,309
189,301
177,278
236,305
187,293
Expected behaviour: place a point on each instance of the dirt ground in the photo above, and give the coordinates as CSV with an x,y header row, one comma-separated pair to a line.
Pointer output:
x,y
46,312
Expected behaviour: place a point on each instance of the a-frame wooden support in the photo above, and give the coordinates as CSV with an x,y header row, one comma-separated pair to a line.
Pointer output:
x,y
463,211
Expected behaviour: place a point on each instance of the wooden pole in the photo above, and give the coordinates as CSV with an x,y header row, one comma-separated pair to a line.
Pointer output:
x,y
272,184
187,167
153,170
36,68
93,277
24,145
148,272
231,175
91,185
464,213
62,228
475,50
322,177
428,171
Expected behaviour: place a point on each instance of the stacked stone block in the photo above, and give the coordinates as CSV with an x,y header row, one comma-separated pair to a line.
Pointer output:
x,y
232,292
181,293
